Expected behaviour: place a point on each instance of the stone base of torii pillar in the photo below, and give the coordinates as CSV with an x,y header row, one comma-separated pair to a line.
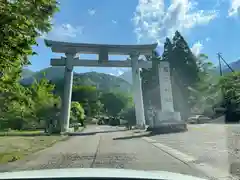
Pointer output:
x,y
166,120
170,122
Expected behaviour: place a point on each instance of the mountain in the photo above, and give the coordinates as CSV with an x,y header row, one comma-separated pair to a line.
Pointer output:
x,y
127,76
51,73
234,65
26,73
102,81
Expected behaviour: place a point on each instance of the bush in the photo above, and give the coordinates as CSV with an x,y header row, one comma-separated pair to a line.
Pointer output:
x,y
77,113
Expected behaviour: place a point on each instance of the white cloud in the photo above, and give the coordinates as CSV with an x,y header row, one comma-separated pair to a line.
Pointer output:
x,y
208,39
91,12
234,9
63,32
219,3
197,48
117,71
154,21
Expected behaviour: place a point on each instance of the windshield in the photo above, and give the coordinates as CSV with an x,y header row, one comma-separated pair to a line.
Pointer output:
x,y
137,84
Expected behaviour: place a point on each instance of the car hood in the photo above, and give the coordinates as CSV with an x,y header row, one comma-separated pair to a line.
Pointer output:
x,y
95,173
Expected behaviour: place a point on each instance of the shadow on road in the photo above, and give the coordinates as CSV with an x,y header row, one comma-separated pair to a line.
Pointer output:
x,y
69,134
132,137
93,133
146,134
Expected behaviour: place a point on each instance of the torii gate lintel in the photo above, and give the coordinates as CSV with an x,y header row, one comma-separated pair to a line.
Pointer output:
x,y
74,48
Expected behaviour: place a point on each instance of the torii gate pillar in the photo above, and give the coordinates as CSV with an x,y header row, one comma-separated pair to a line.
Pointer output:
x,y
137,89
67,96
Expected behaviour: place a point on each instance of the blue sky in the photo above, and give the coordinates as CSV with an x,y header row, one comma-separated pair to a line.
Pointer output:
x,y
209,26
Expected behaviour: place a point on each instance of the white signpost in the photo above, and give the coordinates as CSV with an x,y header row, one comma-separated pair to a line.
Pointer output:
x,y
167,113
72,50
165,87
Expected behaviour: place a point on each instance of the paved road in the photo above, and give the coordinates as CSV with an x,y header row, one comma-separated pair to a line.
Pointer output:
x,y
211,144
108,148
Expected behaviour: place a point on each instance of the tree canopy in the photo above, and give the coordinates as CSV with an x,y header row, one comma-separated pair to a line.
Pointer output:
x,y
184,74
114,103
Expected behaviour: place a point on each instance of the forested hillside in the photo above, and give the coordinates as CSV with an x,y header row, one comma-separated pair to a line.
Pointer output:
x,y
50,73
102,81
127,76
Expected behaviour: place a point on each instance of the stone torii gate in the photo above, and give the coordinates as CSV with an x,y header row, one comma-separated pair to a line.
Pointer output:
x,y
166,115
72,50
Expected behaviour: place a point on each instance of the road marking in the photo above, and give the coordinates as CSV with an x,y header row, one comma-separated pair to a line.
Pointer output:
x,y
149,140
184,157
207,169
173,152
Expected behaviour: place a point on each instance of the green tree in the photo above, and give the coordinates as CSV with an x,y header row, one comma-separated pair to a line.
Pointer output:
x,y
44,99
168,51
21,22
184,71
96,108
114,103
129,116
83,93
16,108
230,91
183,61
206,92
77,113
88,96
230,86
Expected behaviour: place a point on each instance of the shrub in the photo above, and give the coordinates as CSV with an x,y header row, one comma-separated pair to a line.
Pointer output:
x,y
77,113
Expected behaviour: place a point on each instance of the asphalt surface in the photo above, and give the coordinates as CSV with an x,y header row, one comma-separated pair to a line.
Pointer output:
x,y
215,145
206,151
211,143
107,147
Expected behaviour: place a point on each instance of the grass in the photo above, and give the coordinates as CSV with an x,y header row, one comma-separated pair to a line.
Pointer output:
x,y
24,132
15,145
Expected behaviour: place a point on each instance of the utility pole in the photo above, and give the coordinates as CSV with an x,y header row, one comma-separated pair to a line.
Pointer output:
x,y
220,64
228,104
220,68
219,60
